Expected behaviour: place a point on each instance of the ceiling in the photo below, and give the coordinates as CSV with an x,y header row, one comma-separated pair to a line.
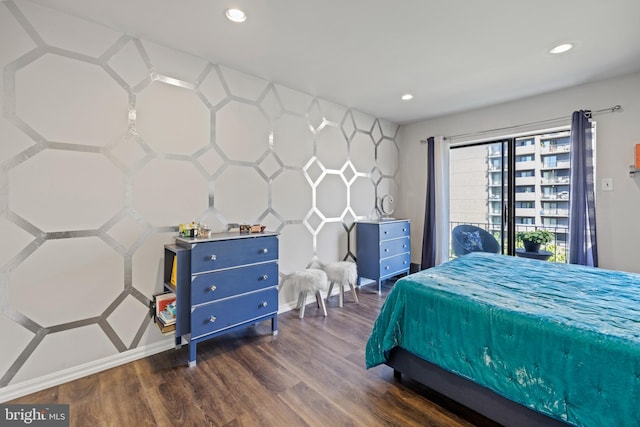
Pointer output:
x,y
452,55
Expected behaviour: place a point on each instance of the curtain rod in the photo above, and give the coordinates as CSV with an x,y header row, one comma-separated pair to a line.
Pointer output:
x,y
589,113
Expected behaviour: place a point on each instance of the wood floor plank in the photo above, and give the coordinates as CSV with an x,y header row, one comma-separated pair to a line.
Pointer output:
x,y
314,408
311,374
251,394
274,376
212,396
119,392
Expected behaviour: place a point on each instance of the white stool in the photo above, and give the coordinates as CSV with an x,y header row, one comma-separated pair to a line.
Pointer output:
x,y
342,273
309,280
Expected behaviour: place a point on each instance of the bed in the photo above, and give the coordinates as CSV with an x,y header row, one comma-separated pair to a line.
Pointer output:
x,y
522,341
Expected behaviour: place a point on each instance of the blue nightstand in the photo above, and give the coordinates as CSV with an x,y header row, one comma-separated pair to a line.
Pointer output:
x,y
383,249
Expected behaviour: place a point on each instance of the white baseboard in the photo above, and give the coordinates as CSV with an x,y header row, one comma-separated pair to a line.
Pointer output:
x,y
14,391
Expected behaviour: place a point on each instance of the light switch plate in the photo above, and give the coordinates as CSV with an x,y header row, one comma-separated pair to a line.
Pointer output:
x,y
607,184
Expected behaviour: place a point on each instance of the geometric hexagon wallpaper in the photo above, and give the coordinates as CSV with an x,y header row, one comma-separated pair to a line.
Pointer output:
x,y
107,142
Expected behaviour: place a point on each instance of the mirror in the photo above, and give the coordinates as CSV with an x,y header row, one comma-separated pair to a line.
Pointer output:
x,y
386,205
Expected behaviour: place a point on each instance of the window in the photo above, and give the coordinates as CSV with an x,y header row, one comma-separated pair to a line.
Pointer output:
x,y
525,142
525,220
525,205
549,208
496,178
525,189
512,185
556,144
524,158
550,162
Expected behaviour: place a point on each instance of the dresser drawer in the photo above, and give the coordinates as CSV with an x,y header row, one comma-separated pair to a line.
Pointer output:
x,y
394,265
210,256
219,315
213,286
393,230
394,247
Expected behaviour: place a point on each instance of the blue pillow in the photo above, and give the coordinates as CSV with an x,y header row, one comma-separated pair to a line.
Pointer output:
x,y
471,241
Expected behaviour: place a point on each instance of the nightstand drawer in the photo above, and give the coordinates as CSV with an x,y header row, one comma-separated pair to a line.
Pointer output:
x,y
222,284
219,315
394,265
393,230
394,247
210,256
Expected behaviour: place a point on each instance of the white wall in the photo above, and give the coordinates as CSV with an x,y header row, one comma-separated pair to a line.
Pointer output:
x,y
617,211
108,142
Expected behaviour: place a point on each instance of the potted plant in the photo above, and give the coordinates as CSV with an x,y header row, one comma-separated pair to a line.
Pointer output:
x,y
533,239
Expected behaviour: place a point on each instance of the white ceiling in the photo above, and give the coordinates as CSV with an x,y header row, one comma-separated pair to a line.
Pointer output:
x,y
452,55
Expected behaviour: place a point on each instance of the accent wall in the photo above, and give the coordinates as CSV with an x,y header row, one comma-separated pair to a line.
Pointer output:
x,y
108,142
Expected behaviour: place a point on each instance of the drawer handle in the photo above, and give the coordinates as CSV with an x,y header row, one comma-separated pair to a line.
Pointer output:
x,y
214,257
264,304
264,277
265,250
385,232
387,267
404,262
212,319
213,288
404,246
404,229
386,250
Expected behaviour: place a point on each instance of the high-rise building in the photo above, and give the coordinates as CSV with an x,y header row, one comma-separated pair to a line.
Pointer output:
x,y
542,174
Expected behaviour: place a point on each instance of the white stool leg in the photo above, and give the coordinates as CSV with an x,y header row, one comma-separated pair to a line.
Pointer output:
x,y
353,291
299,305
304,300
341,298
320,302
330,289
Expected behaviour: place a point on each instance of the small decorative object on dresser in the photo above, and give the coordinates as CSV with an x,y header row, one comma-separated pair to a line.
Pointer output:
x,y
223,282
383,249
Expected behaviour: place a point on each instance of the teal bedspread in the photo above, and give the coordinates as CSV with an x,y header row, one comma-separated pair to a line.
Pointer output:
x,y
563,340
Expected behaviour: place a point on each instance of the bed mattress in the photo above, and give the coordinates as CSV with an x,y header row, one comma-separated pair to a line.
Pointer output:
x,y
563,340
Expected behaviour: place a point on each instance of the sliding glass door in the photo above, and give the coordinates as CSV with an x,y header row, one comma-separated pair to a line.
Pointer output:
x,y
480,196
512,185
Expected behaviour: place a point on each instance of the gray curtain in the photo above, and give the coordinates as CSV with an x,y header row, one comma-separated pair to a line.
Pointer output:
x,y
429,232
583,248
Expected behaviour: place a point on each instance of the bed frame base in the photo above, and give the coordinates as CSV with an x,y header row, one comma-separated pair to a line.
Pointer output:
x,y
467,393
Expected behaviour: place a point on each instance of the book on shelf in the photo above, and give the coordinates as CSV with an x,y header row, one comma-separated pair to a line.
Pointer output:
x,y
165,308
166,318
166,329
174,271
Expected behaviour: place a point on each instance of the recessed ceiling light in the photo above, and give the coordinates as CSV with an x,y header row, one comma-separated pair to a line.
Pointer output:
x,y
235,15
561,48
407,97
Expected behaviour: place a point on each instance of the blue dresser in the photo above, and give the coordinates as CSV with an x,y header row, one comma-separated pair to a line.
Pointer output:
x,y
223,283
383,249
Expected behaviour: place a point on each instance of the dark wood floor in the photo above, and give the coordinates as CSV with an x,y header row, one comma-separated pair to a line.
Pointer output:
x,y
311,374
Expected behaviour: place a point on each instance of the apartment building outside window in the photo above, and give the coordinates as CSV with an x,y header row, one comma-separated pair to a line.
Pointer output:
x,y
541,177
